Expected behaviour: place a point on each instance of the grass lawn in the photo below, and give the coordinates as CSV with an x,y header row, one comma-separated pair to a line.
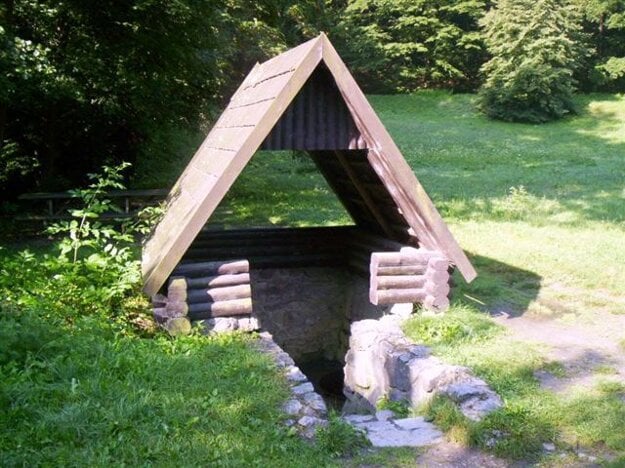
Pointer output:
x,y
540,210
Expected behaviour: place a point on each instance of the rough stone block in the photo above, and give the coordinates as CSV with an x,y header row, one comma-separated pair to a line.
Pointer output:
x,y
178,326
303,388
308,421
292,407
248,324
294,374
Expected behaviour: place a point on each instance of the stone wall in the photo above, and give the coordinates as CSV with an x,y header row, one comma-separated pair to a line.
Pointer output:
x,y
309,310
304,310
305,408
383,363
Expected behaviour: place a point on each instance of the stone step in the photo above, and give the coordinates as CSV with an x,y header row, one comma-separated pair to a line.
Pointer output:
x,y
385,431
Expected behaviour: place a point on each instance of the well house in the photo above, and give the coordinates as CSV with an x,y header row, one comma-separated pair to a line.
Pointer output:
x,y
304,285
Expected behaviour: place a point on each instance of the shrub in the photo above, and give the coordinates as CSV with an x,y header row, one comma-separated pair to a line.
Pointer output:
x,y
535,47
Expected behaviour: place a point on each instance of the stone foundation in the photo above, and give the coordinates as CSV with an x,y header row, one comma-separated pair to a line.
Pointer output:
x,y
383,363
305,408
309,310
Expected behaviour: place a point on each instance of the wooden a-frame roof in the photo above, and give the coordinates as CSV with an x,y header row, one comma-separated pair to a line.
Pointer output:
x,y
253,118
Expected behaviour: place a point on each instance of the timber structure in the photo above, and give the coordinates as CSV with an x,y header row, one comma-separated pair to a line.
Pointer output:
x,y
303,99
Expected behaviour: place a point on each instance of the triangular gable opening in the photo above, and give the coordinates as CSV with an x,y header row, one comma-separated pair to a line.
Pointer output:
x,y
279,189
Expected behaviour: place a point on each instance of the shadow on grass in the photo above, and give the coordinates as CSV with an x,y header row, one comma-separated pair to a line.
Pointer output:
x,y
499,288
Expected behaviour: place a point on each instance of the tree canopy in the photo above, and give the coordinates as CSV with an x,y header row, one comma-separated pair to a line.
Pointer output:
x,y
83,83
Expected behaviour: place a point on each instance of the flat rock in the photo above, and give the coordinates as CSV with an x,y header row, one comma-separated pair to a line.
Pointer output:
x,y
292,407
358,418
412,423
476,408
384,415
303,388
407,432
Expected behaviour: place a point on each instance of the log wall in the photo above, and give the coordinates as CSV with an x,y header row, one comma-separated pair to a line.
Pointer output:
x,y
409,276
214,278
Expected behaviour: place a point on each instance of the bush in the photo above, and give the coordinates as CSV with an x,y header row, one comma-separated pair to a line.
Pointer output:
x,y
535,47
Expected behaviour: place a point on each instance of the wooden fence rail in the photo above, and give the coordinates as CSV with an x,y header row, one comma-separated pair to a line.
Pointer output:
x,y
53,206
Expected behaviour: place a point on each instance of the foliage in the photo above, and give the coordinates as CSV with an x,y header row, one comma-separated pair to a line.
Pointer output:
x,y
401,409
405,45
461,324
108,78
604,23
91,248
91,393
340,438
535,47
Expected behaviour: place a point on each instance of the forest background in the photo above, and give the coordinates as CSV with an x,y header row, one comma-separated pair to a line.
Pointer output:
x,y
84,84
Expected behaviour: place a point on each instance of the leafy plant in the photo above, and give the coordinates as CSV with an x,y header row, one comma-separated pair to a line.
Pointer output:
x,y
102,252
459,324
339,438
400,408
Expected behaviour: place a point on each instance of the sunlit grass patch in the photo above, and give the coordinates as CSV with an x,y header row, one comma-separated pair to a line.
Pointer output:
x,y
85,395
531,415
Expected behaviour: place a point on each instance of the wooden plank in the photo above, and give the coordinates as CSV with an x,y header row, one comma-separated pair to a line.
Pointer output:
x,y
383,259
401,270
265,90
147,193
281,234
231,267
397,296
228,138
293,261
225,293
242,118
364,194
400,282
393,169
284,62
261,231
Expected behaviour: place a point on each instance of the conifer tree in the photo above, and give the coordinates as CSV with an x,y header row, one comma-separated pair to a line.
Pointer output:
x,y
535,47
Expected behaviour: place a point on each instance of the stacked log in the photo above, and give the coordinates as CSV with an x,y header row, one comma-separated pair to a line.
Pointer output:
x,y
409,276
211,289
362,244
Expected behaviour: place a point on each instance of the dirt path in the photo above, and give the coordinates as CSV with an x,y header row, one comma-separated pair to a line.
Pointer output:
x,y
588,349
451,455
